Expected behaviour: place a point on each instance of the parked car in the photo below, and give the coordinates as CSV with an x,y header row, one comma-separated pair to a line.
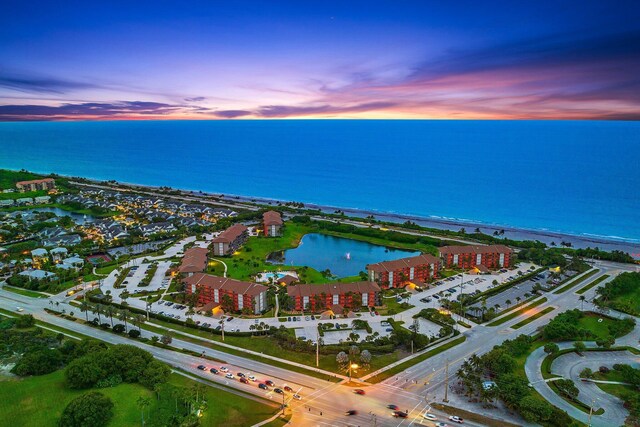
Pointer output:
x,y
351,412
270,383
359,391
456,419
392,406
297,397
287,388
252,378
263,386
241,375
278,390
244,380
213,370
429,416
202,367
224,369
399,414
230,376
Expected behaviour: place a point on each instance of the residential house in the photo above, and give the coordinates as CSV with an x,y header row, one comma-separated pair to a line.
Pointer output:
x,y
37,274
39,256
230,240
334,296
63,240
41,200
468,257
397,273
57,254
245,296
272,223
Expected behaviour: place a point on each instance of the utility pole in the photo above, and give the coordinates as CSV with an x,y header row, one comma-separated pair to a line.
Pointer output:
x,y
283,404
223,331
461,295
446,382
591,411
317,349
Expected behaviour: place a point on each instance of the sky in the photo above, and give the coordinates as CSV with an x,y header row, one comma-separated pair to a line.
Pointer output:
x,y
319,59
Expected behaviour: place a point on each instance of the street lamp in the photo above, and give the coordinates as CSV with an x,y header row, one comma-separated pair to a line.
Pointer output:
x,y
352,367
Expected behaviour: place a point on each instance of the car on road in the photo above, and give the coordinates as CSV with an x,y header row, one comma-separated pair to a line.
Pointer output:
x,y
278,390
429,416
202,367
252,378
244,380
230,376
399,414
224,369
436,296
287,388
359,391
394,407
213,370
241,375
442,425
229,319
19,309
297,397
270,383
456,419
351,412
389,330
263,386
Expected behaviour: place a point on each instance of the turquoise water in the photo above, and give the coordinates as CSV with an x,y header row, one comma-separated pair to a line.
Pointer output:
x,y
565,176
344,257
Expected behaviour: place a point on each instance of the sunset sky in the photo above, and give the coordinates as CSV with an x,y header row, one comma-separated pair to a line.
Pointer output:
x,y
320,59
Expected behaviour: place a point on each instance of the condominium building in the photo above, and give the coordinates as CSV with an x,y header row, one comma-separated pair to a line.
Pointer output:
x,y
245,296
36,185
230,240
272,223
194,261
397,273
334,296
466,257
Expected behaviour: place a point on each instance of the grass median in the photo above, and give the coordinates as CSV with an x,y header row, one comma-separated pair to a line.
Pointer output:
x,y
532,318
592,284
409,363
575,281
518,312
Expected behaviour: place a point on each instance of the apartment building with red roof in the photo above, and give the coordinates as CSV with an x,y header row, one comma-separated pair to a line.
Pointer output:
x,y
230,240
467,257
193,261
397,273
317,298
272,223
36,185
246,296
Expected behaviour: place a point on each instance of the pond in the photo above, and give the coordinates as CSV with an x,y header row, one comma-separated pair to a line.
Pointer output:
x,y
77,218
343,257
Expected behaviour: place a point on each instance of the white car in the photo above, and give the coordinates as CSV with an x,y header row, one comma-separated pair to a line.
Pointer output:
x,y
297,397
230,376
456,419
19,309
252,378
429,416
223,369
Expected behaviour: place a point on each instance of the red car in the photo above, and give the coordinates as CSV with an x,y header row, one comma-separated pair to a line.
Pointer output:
x,y
244,380
400,414
287,388
270,383
358,391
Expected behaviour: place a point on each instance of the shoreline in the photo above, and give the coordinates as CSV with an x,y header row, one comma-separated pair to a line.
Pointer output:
x,y
578,241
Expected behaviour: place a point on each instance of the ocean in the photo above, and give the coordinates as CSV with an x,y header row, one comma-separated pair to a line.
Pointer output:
x,y
575,177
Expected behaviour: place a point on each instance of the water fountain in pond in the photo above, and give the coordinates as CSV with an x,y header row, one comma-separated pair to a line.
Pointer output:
x,y
348,255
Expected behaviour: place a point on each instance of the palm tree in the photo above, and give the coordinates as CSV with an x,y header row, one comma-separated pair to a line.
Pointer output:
x,y
122,315
84,307
508,302
582,299
143,402
110,310
97,309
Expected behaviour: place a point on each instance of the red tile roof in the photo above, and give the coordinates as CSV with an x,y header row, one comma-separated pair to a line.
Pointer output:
x,y
306,290
477,249
194,260
230,234
224,283
34,181
272,218
401,263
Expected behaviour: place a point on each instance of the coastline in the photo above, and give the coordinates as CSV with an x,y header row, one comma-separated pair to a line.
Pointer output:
x,y
577,241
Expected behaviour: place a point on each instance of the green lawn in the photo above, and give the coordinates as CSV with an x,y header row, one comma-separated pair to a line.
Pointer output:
x,y
592,284
409,363
39,401
590,321
532,318
631,300
13,196
106,270
575,281
25,292
517,313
